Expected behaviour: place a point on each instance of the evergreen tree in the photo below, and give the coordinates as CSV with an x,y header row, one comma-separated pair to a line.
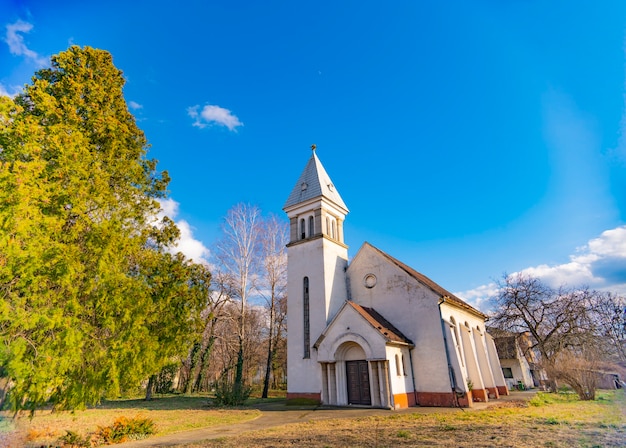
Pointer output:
x,y
90,301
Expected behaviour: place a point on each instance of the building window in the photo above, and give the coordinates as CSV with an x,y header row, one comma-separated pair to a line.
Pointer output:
x,y
311,227
457,339
305,312
507,372
327,226
302,229
398,366
333,227
403,366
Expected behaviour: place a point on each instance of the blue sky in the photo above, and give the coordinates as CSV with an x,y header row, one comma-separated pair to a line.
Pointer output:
x,y
468,139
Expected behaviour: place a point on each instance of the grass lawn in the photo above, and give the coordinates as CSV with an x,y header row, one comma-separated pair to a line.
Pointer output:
x,y
170,413
547,421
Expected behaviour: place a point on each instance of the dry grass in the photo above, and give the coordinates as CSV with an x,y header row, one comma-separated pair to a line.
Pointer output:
x,y
170,414
548,421
555,423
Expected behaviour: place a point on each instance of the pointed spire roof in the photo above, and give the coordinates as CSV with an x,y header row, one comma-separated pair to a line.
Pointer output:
x,y
313,183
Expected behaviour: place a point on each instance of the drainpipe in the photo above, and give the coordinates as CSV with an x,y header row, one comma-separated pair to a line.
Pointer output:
x,y
445,343
412,374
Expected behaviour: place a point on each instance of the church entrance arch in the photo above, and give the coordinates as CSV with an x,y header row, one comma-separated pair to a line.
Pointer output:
x,y
357,373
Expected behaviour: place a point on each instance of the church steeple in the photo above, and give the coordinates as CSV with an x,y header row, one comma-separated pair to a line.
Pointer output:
x,y
317,259
314,182
315,207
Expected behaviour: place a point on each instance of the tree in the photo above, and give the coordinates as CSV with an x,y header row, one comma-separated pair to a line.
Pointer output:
x,y
561,324
179,289
202,350
578,369
610,313
237,254
85,283
274,239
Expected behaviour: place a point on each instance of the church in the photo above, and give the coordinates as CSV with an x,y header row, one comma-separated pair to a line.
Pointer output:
x,y
374,331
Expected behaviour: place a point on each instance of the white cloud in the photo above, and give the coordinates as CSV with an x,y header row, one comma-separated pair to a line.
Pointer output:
x,y
600,264
15,41
9,91
211,114
478,297
169,207
572,274
134,105
187,244
611,243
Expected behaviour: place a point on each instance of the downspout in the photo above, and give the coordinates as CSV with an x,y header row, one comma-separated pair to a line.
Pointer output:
x,y
445,343
413,375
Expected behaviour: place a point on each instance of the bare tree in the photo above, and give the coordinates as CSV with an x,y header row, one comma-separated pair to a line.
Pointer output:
x,y
560,321
200,355
237,255
279,361
273,280
610,312
556,319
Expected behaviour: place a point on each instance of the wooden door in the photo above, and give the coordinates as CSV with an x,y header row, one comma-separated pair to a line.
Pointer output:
x,y
358,378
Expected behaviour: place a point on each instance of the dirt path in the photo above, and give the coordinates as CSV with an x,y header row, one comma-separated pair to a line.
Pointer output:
x,y
277,414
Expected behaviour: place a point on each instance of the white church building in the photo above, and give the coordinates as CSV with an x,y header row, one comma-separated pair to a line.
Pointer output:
x,y
374,332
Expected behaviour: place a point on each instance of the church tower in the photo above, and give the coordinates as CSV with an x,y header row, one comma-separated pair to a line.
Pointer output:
x,y
317,261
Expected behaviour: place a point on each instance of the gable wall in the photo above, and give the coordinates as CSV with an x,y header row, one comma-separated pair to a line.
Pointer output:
x,y
411,307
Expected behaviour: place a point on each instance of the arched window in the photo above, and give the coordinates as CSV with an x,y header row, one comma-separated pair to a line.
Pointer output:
x,y
305,315
403,366
457,339
327,226
302,229
333,229
311,227
398,365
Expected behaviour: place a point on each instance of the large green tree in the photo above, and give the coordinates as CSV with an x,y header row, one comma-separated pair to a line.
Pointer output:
x,y
90,301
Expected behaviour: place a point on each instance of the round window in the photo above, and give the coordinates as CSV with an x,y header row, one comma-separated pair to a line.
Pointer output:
x,y
369,280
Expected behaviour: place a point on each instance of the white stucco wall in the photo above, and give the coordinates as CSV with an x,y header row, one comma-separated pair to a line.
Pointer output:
x,y
411,307
476,364
401,383
323,262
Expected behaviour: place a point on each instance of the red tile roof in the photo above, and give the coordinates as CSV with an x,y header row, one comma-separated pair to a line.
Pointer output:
x,y
446,295
381,324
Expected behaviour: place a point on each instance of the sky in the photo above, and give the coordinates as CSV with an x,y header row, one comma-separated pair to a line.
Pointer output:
x,y
468,139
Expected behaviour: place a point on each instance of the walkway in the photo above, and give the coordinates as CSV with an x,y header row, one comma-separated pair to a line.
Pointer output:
x,y
278,414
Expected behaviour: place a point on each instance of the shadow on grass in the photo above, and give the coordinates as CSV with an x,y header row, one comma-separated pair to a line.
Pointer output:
x,y
159,403
182,402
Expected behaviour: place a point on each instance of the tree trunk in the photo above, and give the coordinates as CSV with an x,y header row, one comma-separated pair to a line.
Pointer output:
x,y
193,368
206,354
270,354
238,386
150,387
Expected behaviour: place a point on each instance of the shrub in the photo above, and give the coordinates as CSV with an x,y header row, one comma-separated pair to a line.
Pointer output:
x,y
165,379
226,394
124,429
73,439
